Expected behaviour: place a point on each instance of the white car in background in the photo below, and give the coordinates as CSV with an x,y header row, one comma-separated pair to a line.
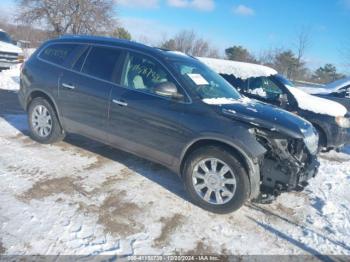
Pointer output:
x,y
10,54
338,88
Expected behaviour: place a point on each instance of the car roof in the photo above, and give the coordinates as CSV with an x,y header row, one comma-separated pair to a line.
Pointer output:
x,y
110,41
237,69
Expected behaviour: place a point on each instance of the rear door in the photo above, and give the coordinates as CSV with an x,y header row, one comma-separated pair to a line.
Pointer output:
x,y
141,121
85,89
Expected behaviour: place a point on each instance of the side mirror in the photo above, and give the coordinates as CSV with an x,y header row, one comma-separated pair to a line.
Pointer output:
x,y
168,89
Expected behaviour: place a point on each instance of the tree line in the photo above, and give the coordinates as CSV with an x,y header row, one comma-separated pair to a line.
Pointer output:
x,y
286,61
56,18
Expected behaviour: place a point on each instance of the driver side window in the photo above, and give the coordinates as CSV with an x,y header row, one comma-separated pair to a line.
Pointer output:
x,y
264,87
144,74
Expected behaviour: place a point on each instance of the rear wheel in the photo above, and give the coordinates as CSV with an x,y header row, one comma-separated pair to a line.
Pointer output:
x,y
43,122
216,180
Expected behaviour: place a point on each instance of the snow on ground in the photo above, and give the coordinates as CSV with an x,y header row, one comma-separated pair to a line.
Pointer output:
x,y
82,197
9,79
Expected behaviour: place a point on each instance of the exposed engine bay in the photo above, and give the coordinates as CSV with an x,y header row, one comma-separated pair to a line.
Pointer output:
x,y
286,166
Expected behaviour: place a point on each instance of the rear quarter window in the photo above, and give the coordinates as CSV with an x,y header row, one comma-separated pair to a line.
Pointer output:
x,y
57,53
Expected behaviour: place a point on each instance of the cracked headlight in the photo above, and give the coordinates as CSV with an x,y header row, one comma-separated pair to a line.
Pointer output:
x,y
311,142
343,121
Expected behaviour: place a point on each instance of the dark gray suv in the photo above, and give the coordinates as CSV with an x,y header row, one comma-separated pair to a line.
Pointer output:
x,y
169,108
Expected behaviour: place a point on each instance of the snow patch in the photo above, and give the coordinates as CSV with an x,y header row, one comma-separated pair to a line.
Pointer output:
x,y
9,79
225,101
316,104
177,53
238,69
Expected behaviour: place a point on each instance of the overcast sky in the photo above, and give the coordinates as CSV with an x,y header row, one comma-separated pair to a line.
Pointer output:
x,y
255,24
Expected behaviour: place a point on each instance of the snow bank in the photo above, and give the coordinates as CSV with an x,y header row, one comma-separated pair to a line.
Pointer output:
x,y
9,79
316,104
238,69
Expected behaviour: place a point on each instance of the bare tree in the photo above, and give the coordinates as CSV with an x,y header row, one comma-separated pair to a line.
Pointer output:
x,y
68,16
188,42
303,43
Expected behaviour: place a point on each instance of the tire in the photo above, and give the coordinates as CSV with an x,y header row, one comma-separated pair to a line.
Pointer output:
x,y
50,135
228,203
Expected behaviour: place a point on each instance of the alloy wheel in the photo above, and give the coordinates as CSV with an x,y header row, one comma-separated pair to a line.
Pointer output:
x,y
214,181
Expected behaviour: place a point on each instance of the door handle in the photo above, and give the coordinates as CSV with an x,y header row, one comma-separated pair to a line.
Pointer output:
x,y
119,102
71,87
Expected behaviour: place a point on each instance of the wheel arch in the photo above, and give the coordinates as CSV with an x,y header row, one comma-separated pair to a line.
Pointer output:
x,y
252,169
322,132
39,93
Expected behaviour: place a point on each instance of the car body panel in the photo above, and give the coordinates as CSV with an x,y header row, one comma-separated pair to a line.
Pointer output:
x,y
157,128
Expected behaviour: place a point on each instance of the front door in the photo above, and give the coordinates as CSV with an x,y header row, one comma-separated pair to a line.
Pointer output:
x,y
142,121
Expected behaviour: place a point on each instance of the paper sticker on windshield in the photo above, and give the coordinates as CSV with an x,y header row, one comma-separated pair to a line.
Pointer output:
x,y
198,79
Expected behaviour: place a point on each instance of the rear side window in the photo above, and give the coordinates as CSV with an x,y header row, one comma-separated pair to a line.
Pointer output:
x,y
101,62
58,53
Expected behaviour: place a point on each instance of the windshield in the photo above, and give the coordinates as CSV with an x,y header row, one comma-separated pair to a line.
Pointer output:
x,y
5,37
204,82
284,80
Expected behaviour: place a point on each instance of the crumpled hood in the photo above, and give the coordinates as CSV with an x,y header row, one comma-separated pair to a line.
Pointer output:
x,y
7,47
266,116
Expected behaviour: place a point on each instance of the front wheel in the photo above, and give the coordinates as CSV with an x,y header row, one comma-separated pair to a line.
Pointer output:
x,y
216,180
43,122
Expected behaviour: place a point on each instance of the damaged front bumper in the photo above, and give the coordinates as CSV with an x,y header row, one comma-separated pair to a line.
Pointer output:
x,y
287,166
276,182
